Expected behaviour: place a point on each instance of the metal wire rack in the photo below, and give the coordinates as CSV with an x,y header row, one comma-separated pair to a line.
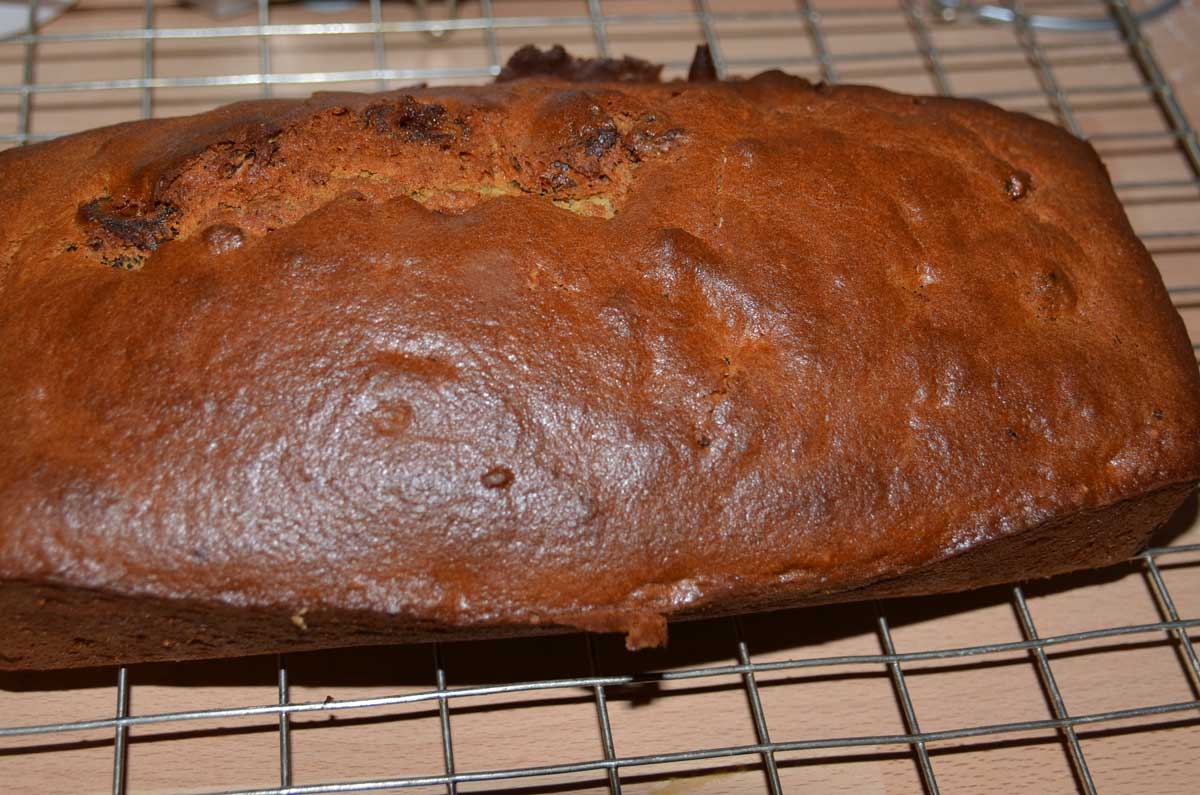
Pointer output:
x,y
110,60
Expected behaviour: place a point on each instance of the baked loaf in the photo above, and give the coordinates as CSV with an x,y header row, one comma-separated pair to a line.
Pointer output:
x,y
459,362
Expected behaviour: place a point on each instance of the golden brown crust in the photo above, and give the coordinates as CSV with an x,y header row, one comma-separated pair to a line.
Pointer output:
x,y
477,360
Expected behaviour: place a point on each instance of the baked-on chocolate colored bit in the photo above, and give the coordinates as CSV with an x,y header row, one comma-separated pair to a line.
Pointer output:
x,y
703,69
529,61
458,362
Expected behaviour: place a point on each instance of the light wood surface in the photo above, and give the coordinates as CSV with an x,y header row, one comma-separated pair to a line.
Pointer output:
x,y
1138,756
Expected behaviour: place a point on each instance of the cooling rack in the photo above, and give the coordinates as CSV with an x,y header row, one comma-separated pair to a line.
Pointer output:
x,y
1089,683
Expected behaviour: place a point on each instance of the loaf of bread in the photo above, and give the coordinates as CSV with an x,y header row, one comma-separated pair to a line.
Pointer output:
x,y
580,349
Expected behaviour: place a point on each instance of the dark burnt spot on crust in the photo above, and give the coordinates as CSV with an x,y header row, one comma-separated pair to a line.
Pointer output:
x,y
228,170
1018,185
464,129
410,120
529,61
648,141
130,223
599,139
124,262
557,176
258,152
263,150
582,126
593,139
703,69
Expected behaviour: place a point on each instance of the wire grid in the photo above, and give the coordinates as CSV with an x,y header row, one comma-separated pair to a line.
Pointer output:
x,y
817,56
